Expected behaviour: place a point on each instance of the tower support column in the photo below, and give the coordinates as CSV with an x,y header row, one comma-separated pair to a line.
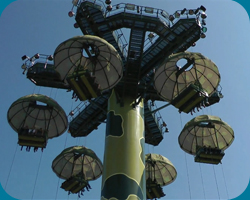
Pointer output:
x,y
124,162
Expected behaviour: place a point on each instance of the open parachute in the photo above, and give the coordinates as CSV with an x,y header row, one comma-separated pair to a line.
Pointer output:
x,y
206,137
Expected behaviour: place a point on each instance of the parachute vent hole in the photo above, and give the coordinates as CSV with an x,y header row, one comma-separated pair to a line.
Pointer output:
x,y
90,51
41,104
206,124
181,63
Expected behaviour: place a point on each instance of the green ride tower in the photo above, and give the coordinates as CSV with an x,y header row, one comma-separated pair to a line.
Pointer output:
x,y
123,175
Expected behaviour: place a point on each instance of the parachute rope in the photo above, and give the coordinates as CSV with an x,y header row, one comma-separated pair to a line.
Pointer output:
x,y
56,93
189,189
58,177
34,89
225,181
216,183
57,187
33,192
12,162
50,92
39,88
202,183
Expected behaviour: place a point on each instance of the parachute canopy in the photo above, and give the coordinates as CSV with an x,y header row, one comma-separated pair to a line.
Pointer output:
x,y
160,169
37,112
170,79
77,160
89,53
205,130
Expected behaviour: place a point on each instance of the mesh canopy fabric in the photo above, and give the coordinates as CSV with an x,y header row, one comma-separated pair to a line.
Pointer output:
x,y
104,62
204,72
77,160
205,130
38,111
159,168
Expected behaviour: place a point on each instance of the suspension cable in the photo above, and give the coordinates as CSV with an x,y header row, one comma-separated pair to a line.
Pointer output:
x,y
58,177
50,92
39,88
210,107
34,89
57,187
65,141
37,175
216,183
78,141
211,110
56,93
10,168
202,182
190,196
225,181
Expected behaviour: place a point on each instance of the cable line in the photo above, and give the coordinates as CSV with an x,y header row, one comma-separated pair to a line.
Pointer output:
x,y
10,168
56,93
34,89
37,175
225,181
202,182
213,165
57,187
58,177
39,88
216,183
50,92
190,196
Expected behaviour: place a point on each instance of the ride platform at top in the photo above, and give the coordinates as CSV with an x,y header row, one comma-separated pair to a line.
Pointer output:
x,y
154,35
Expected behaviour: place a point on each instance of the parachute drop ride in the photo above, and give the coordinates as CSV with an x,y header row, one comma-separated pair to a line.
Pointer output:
x,y
206,137
89,65
119,79
188,87
36,118
159,172
77,165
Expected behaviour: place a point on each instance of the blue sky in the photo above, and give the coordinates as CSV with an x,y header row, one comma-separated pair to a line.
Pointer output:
x,y
30,27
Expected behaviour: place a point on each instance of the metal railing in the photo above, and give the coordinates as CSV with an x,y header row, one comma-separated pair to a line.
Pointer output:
x,y
121,42
157,116
77,110
142,11
37,58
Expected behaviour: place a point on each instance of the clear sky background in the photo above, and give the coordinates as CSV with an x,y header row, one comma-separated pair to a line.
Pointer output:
x,y
30,27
